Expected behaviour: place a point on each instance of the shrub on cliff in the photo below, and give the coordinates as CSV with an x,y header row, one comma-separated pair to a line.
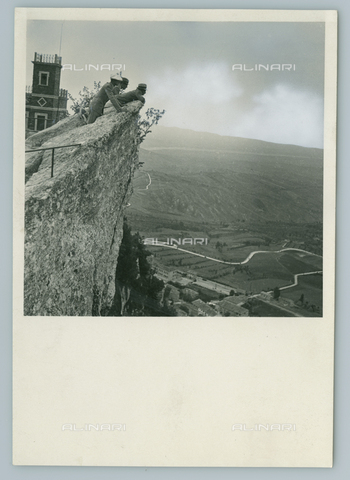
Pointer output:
x,y
153,115
85,97
138,291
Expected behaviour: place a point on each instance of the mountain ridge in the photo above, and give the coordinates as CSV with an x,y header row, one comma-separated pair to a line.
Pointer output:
x,y
173,136
199,176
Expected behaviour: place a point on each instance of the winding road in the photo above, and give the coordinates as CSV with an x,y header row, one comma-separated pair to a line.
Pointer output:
x,y
296,279
149,183
141,189
250,256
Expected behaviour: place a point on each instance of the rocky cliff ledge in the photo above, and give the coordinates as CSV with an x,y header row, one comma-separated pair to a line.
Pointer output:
x,y
74,221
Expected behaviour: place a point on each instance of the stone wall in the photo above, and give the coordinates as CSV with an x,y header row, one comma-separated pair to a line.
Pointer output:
x,y
73,221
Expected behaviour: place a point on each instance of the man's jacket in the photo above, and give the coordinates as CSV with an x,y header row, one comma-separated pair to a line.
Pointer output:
x,y
107,92
130,97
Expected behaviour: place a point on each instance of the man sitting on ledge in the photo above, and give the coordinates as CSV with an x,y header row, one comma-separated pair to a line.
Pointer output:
x,y
107,92
133,95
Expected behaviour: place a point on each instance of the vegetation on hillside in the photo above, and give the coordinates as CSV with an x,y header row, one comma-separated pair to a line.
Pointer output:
x,y
138,290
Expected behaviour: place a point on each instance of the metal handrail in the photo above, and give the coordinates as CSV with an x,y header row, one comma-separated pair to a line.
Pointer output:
x,y
53,152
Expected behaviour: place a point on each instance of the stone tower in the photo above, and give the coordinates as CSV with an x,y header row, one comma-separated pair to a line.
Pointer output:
x,y
46,102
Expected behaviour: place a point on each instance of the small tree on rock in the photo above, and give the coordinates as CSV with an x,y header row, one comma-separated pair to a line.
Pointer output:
x,y
85,97
153,115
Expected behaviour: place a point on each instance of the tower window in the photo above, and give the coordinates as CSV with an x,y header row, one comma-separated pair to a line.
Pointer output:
x,y
44,78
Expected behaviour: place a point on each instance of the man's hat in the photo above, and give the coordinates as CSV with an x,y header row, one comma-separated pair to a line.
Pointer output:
x,y
142,86
117,76
125,80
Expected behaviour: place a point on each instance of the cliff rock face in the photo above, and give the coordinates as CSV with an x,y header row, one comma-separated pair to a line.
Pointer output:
x,y
74,221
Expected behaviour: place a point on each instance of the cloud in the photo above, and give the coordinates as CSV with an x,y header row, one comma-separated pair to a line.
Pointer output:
x,y
211,83
207,97
188,69
283,114
194,97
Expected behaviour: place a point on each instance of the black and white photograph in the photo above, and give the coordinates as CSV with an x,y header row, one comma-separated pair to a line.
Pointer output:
x,y
174,169
174,163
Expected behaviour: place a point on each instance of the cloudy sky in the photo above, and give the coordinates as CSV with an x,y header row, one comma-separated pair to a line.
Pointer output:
x,y
188,69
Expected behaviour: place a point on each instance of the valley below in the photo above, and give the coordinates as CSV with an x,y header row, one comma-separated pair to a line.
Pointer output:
x,y
234,226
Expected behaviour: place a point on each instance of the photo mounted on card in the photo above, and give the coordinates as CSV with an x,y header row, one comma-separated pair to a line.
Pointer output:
x,y
174,237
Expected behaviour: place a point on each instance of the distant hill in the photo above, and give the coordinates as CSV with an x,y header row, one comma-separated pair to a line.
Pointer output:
x,y
198,176
178,138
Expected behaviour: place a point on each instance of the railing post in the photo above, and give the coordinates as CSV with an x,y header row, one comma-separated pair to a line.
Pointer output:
x,y
53,152
52,160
